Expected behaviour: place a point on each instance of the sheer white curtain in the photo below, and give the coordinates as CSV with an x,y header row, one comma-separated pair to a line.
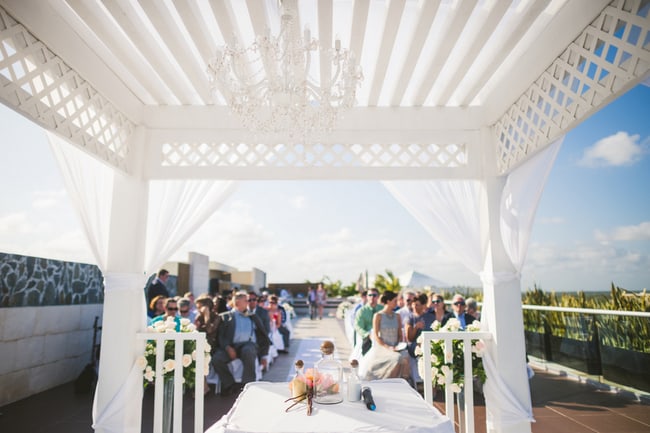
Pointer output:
x,y
90,187
176,209
519,200
521,195
450,211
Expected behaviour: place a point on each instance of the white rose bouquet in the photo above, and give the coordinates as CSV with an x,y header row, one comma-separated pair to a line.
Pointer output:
x,y
445,363
148,361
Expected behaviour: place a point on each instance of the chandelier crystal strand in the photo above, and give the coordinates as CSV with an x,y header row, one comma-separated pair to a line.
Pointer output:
x,y
268,86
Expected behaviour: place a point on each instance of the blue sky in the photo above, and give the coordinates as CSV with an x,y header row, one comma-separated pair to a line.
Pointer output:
x,y
592,225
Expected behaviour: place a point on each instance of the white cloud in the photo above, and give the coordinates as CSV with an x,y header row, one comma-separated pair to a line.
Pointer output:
x,y
618,150
585,267
12,223
343,235
640,232
239,236
20,223
48,199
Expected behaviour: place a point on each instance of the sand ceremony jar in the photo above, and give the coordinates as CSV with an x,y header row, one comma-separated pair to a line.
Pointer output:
x,y
328,374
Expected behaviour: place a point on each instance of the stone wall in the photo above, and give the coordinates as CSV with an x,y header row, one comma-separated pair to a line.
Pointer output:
x,y
47,311
43,347
32,281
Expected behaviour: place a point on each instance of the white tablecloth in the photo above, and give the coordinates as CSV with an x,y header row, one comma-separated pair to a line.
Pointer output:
x,y
260,408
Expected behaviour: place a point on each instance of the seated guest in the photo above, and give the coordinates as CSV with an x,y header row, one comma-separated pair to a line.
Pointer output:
x,y
363,324
385,359
171,308
407,297
263,314
240,336
193,309
185,309
156,307
420,319
471,308
439,310
207,320
279,317
458,307
220,304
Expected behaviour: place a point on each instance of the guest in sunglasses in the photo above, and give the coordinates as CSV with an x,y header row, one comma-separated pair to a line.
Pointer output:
x,y
171,310
438,309
363,322
458,307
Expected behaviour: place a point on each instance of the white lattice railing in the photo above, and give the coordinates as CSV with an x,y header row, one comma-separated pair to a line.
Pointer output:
x,y
612,52
468,387
160,338
233,154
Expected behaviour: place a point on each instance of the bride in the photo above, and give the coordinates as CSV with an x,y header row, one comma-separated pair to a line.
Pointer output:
x,y
387,358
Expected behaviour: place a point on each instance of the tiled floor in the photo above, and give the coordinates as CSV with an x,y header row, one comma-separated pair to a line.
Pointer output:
x,y
560,404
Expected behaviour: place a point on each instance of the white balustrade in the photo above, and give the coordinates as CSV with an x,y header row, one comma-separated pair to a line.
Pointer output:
x,y
468,386
178,337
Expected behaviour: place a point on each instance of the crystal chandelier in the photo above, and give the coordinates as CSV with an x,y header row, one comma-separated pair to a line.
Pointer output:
x,y
269,87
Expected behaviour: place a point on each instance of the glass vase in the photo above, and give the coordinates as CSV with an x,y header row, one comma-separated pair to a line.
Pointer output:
x,y
328,377
168,404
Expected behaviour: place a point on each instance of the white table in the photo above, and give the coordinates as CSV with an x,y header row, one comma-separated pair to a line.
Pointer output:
x,y
260,408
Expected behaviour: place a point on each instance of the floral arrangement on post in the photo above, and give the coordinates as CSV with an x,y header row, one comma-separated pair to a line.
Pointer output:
x,y
148,361
291,312
342,308
445,363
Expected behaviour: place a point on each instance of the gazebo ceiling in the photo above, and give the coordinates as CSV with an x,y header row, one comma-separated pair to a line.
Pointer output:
x,y
147,54
435,66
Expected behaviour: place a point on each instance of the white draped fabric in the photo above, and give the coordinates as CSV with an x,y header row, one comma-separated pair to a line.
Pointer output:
x,y
176,209
90,187
521,195
451,212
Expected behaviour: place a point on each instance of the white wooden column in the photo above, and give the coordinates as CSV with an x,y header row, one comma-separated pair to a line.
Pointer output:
x,y
118,399
502,305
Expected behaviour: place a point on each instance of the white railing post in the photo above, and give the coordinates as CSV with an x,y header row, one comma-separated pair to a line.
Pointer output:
x,y
179,338
468,386
178,384
199,383
158,394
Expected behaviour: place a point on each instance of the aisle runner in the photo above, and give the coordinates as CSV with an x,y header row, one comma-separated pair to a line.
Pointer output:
x,y
309,352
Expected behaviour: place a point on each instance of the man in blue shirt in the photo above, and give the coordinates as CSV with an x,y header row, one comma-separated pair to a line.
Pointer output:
x,y
241,335
458,307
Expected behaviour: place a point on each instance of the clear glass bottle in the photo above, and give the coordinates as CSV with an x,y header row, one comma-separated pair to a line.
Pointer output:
x,y
298,384
329,376
354,382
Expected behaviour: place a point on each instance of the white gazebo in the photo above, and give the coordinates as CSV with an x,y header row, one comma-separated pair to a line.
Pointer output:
x,y
461,111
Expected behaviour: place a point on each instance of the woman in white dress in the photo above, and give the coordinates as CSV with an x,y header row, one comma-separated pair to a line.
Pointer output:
x,y
388,356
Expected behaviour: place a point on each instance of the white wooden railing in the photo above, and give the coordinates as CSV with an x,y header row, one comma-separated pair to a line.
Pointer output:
x,y
178,337
468,387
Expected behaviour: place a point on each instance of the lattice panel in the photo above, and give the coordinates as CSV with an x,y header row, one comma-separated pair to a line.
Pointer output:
x,y
38,83
200,154
612,52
